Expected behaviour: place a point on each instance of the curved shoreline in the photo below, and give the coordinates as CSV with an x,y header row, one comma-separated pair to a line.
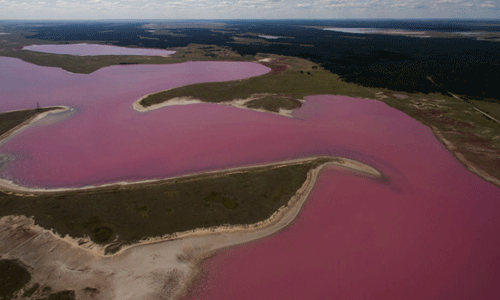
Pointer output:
x,y
280,219
298,199
181,252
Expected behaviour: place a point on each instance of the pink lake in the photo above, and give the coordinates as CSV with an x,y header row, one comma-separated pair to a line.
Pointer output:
x,y
430,230
95,49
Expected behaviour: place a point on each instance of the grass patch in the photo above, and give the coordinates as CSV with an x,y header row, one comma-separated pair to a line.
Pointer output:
x,y
274,103
29,292
102,234
13,277
216,197
173,205
64,295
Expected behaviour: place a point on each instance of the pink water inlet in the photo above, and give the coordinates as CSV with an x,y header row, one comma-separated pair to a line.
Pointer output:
x,y
95,49
429,230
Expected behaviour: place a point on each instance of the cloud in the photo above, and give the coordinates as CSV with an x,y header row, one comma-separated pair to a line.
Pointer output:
x,y
303,5
206,9
24,6
488,4
446,2
341,4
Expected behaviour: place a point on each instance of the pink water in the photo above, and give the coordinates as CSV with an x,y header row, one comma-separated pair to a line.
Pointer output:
x,y
106,140
430,230
94,49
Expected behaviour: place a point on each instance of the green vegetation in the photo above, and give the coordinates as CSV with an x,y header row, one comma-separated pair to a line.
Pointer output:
x,y
290,78
27,293
133,212
274,103
64,295
256,40
216,197
13,277
13,280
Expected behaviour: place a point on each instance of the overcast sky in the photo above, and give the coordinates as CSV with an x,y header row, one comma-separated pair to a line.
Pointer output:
x,y
256,9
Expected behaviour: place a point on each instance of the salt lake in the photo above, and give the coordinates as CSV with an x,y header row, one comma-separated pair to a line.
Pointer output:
x,y
428,230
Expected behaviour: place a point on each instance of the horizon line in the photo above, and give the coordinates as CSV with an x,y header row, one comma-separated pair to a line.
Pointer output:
x,y
254,19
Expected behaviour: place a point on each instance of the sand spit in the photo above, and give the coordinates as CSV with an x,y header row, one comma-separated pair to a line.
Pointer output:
x,y
22,126
239,103
39,118
137,106
159,268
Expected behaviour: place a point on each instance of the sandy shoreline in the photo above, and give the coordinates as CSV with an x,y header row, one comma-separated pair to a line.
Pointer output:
x,y
172,259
